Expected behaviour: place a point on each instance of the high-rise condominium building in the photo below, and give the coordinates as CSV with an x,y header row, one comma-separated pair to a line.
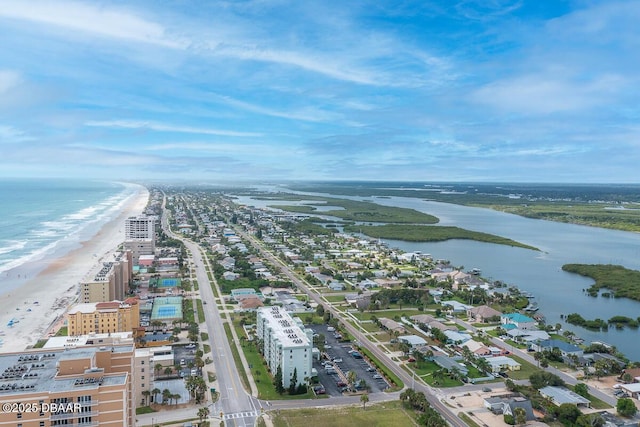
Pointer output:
x,y
286,344
139,235
104,317
86,386
109,280
139,228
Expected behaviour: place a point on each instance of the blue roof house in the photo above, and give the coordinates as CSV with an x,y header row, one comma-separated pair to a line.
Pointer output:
x,y
519,320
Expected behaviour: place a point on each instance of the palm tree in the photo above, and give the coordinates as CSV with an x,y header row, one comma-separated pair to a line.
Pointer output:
x,y
157,368
176,397
203,413
364,399
520,416
482,364
351,379
145,394
166,393
156,391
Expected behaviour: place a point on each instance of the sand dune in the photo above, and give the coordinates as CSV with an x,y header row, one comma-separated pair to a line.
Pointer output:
x,y
39,303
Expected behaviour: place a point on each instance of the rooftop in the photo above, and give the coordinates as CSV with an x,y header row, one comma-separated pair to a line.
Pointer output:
x,y
36,372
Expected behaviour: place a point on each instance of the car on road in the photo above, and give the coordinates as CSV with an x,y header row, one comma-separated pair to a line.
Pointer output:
x,y
337,360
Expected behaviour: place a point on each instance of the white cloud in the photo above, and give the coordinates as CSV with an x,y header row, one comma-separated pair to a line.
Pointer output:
x,y
159,127
8,80
90,18
309,114
545,93
11,135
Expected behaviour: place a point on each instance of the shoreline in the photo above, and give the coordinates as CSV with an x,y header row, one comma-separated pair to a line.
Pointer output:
x,y
37,311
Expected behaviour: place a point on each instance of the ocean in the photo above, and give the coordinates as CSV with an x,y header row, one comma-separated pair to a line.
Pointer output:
x,y
44,219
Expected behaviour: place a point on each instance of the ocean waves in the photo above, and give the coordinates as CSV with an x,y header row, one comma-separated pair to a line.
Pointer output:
x,y
38,223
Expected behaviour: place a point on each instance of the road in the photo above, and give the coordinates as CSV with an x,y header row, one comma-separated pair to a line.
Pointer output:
x,y
430,393
237,407
527,357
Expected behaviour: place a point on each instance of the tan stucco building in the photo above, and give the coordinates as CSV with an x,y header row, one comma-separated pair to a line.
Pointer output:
x,y
104,317
108,281
88,386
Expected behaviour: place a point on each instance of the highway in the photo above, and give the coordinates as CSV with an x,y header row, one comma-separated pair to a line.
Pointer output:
x,y
238,408
362,340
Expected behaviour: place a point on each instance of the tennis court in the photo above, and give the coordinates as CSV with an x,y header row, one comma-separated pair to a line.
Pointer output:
x,y
169,283
167,308
165,282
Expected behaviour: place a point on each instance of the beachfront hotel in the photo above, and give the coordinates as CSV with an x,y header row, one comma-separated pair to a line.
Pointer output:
x,y
285,344
139,235
104,317
108,281
88,386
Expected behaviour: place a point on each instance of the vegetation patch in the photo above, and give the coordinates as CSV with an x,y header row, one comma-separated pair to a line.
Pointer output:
x,y
382,414
353,210
622,282
433,233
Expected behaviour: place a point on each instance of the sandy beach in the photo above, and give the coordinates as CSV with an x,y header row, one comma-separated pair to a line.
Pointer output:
x,y
40,302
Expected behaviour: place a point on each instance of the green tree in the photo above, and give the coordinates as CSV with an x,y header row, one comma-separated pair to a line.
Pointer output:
x,y
590,420
568,414
293,382
166,394
203,413
277,381
582,389
542,379
520,416
364,398
146,394
155,392
626,407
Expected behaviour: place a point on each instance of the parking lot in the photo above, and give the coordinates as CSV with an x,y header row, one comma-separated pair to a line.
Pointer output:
x,y
339,357
183,356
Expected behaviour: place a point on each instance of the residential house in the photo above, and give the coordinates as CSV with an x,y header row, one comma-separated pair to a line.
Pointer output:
x,y
503,363
567,349
455,337
414,341
477,348
391,325
518,320
562,395
450,364
482,314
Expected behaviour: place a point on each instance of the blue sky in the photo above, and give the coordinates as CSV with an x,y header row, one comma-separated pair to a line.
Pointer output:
x,y
468,90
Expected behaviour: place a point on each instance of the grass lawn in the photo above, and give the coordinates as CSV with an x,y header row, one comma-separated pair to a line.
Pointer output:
x,y
334,298
200,310
425,372
261,375
370,327
526,369
62,332
383,414
389,314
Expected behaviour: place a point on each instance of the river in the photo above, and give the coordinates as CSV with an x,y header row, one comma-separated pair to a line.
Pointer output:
x,y
540,273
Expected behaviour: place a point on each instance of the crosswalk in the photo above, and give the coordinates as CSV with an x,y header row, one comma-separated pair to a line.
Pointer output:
x,y
236,415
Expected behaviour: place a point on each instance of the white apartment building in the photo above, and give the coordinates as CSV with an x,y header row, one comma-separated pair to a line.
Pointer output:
x,y
139,235
286,344
139,228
